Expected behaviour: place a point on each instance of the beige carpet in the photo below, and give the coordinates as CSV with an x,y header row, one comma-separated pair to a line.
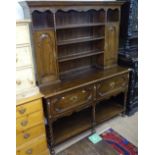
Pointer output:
x,y
126,126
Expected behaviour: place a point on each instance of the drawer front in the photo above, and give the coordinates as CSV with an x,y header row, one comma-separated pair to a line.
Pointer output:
x,y
22,34
111,85
29,121
23,56
71,99
34,148
24,79
30,134
28,108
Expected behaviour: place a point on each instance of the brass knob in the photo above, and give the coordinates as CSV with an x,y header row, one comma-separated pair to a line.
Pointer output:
x,y
74,98
22,111
26,135
29,151
111,28
30,81
83,91
24,123
18,82
112,84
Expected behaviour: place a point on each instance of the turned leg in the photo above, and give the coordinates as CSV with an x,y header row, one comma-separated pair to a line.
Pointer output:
x,y
125,104
93,120
51,137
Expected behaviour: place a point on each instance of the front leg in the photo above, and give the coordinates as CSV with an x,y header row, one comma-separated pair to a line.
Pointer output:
x,y
50,125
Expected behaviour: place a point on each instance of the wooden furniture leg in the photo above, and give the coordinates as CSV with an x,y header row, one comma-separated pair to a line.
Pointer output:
x,y
50,121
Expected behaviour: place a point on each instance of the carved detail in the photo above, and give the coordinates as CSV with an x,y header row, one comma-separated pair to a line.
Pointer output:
x,y
80,97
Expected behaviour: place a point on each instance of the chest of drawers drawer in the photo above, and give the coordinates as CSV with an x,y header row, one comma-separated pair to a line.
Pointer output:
x,y
29,121
23,56
28,108
35,148
30,134
24,79
22,34
71,100
115,84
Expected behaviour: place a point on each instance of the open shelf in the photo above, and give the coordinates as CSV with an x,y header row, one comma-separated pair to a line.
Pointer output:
x,y
79,73
76,67
113,15
107,109
77,18
80,55
42,19
67,127
78,40
79,25
76,123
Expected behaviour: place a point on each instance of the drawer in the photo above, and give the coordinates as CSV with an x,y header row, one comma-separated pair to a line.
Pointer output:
x,y
29,121
30,134
22,34
23,56
24,79
35,148
71,100
28,108
111,85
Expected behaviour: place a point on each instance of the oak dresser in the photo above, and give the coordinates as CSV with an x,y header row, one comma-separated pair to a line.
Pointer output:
x,y
76,50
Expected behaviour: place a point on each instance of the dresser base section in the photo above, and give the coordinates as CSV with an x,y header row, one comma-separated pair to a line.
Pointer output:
x,y
78,122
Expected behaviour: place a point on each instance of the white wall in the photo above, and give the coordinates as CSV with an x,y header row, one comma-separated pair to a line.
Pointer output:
x,y
19,10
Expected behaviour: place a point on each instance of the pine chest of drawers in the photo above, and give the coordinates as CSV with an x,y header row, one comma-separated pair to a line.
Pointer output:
x,y
30,128
25,80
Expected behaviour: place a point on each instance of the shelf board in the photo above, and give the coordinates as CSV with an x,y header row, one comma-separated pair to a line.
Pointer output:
x,y
78,73
42,28
79,25
70,126
109,108
80,55
79,40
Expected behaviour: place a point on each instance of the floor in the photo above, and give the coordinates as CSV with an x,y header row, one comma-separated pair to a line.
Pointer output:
x,y
126,126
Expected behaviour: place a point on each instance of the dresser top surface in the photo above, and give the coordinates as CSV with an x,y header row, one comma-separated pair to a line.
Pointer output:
x,y
83,79
28,99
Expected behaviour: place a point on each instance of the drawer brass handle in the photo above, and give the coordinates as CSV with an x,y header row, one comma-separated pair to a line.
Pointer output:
x,y
74,98
26,135
29,151
24,123
30,81
22,111
112,84
18,82
83,91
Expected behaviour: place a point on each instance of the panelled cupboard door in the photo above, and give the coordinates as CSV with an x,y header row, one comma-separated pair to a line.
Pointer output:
x,y
45,56
111,44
